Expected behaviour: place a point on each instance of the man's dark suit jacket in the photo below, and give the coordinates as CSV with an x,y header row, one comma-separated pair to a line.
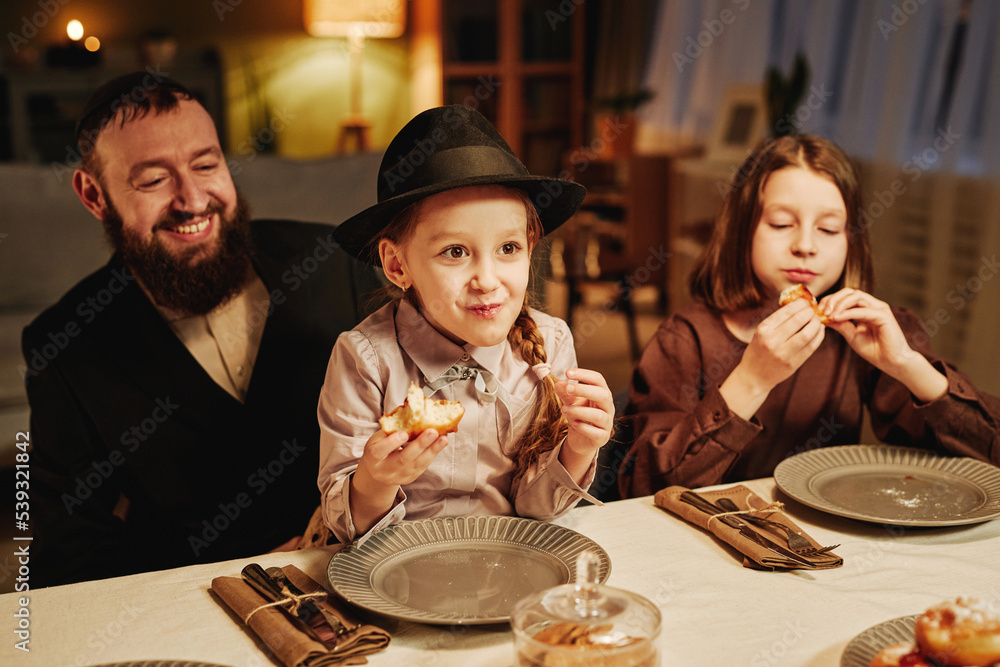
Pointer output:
x,y
121,410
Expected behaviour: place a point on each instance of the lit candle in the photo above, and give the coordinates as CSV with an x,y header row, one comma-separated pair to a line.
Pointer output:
x,y
74,29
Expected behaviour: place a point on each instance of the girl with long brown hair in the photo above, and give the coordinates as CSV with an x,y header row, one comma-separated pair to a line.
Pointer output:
x,y
457,219
735,383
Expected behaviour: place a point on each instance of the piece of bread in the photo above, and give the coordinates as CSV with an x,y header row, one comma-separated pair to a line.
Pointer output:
x,y
419,413
800,291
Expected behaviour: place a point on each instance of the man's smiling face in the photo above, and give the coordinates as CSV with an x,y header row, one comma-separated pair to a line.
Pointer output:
x,y
168,180
170,208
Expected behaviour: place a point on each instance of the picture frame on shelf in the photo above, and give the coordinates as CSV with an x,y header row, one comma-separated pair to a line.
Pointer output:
x,y
740,125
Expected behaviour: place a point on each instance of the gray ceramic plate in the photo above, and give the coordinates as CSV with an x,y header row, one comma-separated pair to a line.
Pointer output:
x,y
458,570
860,650
892,485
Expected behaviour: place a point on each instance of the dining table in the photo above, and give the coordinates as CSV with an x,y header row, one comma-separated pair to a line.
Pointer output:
x,y
714,610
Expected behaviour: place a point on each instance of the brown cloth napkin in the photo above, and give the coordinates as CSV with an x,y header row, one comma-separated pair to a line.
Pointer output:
x,y
754,555
291,646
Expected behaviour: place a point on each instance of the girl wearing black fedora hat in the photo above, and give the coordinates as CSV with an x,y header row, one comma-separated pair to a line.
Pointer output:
x,y
456,220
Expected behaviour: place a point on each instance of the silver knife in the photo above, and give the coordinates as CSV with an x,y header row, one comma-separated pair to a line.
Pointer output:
x,y
261,582
708,507
314,609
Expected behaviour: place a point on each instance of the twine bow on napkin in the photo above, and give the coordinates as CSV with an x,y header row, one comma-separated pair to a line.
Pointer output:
x,y
291,646
755,556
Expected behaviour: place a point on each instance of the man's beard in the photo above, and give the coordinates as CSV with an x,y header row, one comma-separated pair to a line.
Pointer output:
x,y
182,280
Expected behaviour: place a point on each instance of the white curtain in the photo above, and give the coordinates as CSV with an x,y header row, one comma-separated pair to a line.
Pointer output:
x,y
881,66
975,111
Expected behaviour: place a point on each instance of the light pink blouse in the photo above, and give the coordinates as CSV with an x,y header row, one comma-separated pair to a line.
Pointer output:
x,y
370,370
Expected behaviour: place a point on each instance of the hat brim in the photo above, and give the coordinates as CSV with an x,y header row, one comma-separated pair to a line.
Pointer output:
x,y
555,200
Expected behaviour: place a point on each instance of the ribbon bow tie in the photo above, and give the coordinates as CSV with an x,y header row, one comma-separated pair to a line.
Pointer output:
x,y
488,388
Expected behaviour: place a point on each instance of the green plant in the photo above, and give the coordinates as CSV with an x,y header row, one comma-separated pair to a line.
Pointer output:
x,y
784,95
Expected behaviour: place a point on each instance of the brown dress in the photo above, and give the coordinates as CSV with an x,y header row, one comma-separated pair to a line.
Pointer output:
x,y
685,433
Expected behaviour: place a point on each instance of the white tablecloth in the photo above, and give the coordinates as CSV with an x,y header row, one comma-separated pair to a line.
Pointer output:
x,y
715,611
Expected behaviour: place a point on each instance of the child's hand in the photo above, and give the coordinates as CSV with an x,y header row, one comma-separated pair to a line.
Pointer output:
x,y
386,462
384,467
782,342
869,327
590,410
872,331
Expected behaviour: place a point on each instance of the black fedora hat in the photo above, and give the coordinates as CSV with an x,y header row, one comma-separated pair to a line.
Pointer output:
x,y
442,149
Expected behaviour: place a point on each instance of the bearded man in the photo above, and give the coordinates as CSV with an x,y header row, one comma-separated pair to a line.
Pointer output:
x,y
177,422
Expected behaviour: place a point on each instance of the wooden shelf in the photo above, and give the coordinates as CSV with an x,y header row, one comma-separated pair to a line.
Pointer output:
x,y
535,100
609,198
469,70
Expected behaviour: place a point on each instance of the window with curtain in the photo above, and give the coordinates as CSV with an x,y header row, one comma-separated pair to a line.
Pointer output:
x,y
883,81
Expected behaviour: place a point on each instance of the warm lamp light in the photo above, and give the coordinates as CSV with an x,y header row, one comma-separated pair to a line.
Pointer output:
x,y
92,43
74,29
347,18
356,20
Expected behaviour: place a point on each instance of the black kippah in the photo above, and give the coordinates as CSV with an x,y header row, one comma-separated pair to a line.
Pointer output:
x,y
126,89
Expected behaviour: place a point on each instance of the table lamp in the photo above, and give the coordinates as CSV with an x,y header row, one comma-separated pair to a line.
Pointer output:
x,y
356,20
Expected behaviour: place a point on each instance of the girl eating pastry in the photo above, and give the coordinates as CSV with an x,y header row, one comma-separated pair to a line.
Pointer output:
x,y
457,218
733,384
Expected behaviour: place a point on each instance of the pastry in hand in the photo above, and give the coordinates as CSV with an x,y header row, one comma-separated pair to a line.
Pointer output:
x,y
419,413
800,291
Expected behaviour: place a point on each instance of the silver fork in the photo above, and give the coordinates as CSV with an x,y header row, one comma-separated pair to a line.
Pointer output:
x,y
796,542
332,619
